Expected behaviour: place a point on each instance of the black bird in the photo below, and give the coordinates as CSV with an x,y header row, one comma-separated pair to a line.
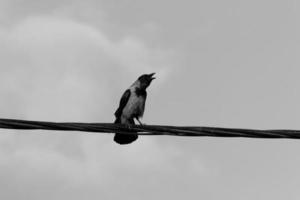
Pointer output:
x,y
132,106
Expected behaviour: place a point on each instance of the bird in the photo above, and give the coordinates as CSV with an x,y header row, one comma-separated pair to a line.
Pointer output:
x,y
132,106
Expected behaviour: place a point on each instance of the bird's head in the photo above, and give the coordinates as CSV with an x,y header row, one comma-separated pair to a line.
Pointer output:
x,y
145,80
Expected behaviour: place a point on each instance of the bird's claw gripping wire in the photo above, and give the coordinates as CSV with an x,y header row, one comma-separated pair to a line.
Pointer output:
x,y
140,122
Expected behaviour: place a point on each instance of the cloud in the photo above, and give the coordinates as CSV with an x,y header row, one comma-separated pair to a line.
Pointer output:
x,y
39,172
70,61
60,69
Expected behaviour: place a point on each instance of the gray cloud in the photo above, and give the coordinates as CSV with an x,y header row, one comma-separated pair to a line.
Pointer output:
x,y
56,68
219,63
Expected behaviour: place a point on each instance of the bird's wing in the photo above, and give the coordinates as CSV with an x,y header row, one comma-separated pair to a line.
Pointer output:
x,y
123,103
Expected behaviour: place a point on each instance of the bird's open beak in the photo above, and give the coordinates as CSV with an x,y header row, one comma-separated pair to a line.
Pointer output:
x,y
151,76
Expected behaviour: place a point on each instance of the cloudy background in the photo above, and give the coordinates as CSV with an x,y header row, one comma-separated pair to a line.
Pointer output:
x,y
219,63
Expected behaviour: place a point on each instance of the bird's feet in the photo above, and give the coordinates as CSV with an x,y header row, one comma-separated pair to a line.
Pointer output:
x,y
140,122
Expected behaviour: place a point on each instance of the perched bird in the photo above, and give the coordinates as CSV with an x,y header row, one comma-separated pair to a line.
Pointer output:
x,y
132,105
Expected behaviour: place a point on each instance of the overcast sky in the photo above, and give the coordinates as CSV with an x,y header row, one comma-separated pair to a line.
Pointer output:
x,y
220,63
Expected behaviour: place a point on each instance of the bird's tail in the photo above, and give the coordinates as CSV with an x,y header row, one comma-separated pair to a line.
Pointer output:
x,y
125,138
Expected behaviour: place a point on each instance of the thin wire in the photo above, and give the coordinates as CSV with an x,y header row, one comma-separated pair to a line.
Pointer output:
x,y
148,129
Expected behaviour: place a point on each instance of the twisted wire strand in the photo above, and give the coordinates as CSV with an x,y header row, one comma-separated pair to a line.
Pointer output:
x,y
194,131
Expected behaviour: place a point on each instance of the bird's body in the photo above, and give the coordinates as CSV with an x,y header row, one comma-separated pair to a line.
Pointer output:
x,y
135,106
132,106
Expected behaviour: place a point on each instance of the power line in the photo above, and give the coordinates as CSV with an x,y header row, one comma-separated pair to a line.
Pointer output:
x,y
194,131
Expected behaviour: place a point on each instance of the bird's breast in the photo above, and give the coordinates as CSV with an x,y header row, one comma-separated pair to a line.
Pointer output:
x,y
134,107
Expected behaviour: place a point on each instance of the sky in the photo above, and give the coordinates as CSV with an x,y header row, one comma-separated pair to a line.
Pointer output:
x,y
218,63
